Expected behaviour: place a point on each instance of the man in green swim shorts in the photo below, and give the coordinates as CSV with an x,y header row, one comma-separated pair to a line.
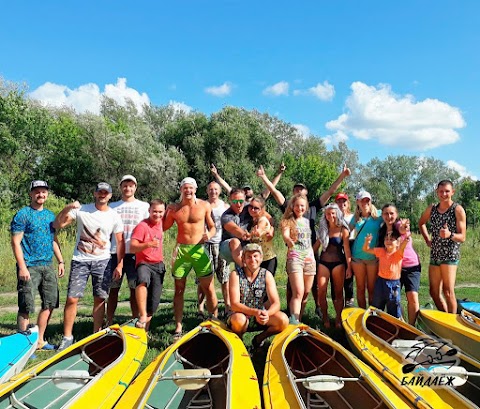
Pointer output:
x,y
195,226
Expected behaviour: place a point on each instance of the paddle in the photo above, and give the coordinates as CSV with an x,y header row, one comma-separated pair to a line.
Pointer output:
x,y
325,383
67,379
459,372
190,379
407,368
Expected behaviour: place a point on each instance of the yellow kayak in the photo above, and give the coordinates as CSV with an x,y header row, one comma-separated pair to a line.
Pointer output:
x,y
410,359
458,328
307,369
208,367
93,372
470,320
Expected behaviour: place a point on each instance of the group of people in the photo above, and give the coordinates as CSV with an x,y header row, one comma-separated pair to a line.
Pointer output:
x,y
126,238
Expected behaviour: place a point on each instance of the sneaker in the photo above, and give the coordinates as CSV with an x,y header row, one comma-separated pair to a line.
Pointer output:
x,y
293,320
66,342
349,303
46,347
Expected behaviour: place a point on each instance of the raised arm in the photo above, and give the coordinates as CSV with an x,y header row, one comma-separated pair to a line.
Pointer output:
x,y
276,194
366,245
325,197
275,180
222,182
63,218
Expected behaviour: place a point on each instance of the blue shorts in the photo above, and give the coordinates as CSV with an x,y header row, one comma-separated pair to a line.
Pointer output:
x,y
387,293
410,278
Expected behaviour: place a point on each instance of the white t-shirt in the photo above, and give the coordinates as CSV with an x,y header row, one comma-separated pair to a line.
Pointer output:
x,y
94,229
131,214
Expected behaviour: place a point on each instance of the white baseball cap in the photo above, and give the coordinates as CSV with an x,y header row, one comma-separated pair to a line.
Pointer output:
x,y
362,195
189,181
129,177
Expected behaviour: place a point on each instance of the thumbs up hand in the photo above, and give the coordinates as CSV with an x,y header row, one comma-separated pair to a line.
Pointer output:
x,y
445,232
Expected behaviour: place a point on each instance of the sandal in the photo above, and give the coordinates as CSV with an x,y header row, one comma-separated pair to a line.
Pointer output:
x,y
140,324
201,315
177,335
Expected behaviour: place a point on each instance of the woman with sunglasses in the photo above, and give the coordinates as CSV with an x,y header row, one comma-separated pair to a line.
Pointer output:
x,y
262,233
367,220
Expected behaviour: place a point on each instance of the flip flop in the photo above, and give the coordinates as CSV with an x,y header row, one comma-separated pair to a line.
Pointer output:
x,y
140,324
177,335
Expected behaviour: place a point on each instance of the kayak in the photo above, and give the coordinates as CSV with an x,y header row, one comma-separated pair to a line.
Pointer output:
x,y
209,367
471,306
15,350
307,369
93,372
456,328
418,365
470,319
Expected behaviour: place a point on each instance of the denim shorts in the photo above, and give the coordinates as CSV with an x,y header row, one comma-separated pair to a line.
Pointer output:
x,y
101,272
387,294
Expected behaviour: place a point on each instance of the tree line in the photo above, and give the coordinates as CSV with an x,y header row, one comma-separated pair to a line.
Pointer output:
x,y
161,145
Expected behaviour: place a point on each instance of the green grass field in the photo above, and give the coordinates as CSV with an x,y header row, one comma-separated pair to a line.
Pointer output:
x,y
162,323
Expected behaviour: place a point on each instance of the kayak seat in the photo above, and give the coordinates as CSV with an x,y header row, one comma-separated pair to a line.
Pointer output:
x,y
42,393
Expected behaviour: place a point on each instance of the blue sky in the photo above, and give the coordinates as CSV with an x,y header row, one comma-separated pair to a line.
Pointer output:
x,y
389,78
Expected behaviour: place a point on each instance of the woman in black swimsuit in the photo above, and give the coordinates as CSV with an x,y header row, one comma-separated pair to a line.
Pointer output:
x,y
333,235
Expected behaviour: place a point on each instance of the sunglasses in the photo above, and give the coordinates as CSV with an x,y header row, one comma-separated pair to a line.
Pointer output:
x,y
238,201
256,209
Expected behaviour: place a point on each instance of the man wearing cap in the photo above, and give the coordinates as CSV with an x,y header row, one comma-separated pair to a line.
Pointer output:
x,y
132,211
314,207
96,222
34,244
195,227
254,297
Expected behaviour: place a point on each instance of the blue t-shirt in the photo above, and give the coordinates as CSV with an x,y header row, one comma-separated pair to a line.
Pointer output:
x,y
38,235
370,226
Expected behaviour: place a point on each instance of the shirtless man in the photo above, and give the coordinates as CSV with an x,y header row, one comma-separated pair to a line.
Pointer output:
x,y
448,225
195,227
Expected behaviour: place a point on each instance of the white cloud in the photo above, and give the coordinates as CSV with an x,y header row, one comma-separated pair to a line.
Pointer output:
x,y
87,97
220,91
462,170
280,88
324,92
180,107
376,113
334,139
303,130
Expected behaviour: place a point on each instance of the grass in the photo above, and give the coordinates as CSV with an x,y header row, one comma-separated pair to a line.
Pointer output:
x,y
162,323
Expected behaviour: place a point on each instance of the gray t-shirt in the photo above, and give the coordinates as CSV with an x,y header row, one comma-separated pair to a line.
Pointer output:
x,y
243,220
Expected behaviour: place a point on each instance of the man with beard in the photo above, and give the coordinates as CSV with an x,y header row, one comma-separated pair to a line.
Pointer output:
x,y
34,244
96,222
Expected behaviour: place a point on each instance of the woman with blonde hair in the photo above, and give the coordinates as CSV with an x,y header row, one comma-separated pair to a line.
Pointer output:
x,y
334,261
296,234
367,220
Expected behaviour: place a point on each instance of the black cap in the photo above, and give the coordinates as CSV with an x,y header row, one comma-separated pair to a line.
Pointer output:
x,y
38,183
103,186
